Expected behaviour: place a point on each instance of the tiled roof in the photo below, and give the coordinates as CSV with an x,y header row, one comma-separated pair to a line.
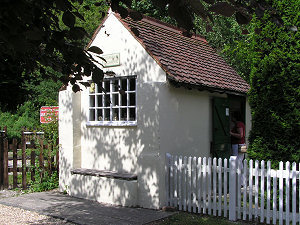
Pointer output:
x,y
186,60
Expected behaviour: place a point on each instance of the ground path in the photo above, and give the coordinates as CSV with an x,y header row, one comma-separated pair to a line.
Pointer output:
x,y
68,210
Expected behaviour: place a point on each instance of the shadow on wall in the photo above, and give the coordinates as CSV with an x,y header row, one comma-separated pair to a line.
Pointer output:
x,y
126,149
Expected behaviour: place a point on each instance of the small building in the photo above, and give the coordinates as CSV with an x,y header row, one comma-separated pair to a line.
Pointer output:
x,y
170,94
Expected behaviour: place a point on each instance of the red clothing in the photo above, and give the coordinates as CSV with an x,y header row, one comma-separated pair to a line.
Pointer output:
x,y
235,140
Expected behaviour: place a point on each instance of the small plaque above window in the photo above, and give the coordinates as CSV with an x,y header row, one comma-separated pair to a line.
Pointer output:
x,y
111,60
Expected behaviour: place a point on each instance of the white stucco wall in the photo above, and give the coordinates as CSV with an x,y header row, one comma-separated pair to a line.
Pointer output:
x,y
174,120
116,148
113,37
185,128
69,136
102,189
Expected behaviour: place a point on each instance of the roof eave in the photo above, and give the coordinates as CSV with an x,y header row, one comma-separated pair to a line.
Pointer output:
x,y
199,87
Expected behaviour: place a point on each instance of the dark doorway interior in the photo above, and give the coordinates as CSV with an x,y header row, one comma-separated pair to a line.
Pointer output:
x,y
221,144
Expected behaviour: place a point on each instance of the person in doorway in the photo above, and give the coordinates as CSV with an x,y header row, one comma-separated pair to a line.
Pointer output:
x,y
237,134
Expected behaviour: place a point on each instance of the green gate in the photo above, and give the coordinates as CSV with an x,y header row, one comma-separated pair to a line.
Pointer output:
x,y
221,147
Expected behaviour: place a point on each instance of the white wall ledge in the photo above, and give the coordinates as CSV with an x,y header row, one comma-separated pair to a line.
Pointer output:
x,y
111,124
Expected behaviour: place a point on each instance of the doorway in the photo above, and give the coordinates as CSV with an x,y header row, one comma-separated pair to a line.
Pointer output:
x,y
221,143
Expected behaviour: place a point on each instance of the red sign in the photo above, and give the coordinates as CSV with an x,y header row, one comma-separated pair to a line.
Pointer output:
x,y
48,114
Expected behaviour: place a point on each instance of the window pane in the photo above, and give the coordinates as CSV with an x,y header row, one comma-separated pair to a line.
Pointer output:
x,y
107,85
99,90
99,99
132,114
107,100
132,99
114,105
115,114
124,99
124,84
132,84
123,114
99,114
107,114
92,100
115,86
115,99
92,114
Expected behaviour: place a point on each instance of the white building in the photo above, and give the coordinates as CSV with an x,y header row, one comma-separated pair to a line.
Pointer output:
x,y
171,93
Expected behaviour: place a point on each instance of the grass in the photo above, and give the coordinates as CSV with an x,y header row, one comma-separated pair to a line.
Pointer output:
x,y
183,218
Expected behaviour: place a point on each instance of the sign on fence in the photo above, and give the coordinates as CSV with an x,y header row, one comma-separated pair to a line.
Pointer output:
x,y
48,114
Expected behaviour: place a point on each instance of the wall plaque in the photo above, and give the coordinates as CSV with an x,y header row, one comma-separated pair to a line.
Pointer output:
x,y
111,60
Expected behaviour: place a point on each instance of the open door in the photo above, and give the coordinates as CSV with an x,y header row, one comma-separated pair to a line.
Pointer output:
x,y
221,146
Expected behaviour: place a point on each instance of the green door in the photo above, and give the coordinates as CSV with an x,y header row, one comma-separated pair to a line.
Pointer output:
x,y
221,146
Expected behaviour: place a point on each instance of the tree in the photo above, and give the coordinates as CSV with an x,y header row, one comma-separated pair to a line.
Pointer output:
x,y
275,82
32,36
272,52
22,95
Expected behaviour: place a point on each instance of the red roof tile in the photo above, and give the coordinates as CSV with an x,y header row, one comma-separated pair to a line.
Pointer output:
x,y
186,60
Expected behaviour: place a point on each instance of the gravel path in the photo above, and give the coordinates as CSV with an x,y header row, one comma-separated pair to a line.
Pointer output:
x,y
16,216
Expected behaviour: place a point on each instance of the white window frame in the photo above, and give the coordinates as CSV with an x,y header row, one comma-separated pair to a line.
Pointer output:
x,y
100,121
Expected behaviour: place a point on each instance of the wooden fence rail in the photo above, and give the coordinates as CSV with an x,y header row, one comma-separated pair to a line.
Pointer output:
x,y
24,158
249,191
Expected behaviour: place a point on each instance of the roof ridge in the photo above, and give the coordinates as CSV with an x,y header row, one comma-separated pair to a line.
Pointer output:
x,y
172,27
165,25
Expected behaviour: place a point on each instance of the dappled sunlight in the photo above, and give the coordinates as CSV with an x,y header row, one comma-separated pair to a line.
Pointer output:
x,y
123,149
168,119
128,149
115,38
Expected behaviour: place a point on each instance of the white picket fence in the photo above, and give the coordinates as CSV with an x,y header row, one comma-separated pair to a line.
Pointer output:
x,y
248,191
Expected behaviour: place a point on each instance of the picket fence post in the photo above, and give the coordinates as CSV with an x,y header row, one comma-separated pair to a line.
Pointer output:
x,y
232,187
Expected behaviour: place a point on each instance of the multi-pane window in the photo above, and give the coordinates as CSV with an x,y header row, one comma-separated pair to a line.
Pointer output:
x,y
113,102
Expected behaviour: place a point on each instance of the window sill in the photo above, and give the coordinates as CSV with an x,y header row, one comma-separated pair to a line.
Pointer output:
x,y
111,123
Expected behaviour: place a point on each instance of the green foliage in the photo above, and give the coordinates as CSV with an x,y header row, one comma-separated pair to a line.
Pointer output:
x,y
237,55
272,52
92,16
24,117
42,91
43,179
147,8
226,31
41,34
44,183
269,60
51,133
